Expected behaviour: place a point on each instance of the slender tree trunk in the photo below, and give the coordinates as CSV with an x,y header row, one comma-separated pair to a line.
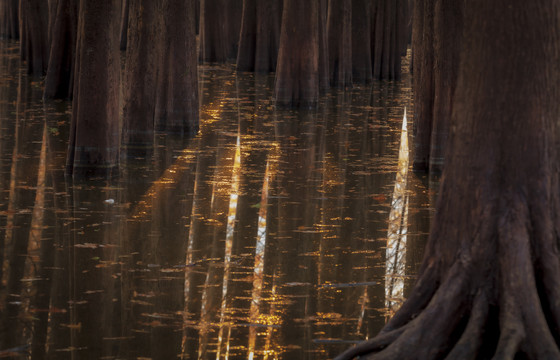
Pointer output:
x,y
142,57
297,75
362,71
34,21
220,22
489,285
124,23
94,136
60,73
9,19
339,29
260,36
176,109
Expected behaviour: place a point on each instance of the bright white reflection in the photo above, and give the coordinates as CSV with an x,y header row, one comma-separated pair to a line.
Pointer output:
x,y
232,215
258,272
396,237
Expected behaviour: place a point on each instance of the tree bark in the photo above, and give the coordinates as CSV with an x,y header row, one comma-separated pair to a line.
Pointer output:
x,y
423,81
339,29
297,74
362,71
9,15
448,32
94,135
489,285
60,73
142,57
220,22
260,36
34,18
176,109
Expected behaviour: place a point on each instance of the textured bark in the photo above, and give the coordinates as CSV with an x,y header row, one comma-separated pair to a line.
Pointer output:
x,y
94,138
260,36
448,32
423,82
177,86
489,285
34,19
362,71
9,19
220,23
142,57
339,29
297,74
60,73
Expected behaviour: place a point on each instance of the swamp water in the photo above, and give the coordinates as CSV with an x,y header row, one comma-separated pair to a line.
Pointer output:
x,y
273,234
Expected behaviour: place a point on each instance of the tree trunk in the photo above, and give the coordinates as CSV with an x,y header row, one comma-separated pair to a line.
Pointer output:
x,y
260,36
34,21
362,71
339,29
9,19
220,22
124,23
297,74
60,73
177,87
489,285
142,57
448,33
423,82
94,135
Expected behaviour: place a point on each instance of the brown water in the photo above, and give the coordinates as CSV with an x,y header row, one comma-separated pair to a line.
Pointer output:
x,y
273,234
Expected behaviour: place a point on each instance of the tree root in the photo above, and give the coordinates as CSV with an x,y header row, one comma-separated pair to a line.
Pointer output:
x,y
510,307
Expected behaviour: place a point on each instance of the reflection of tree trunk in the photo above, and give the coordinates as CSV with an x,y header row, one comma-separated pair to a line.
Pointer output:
x,y
58,314
8,135
22,199
297,235
41,254
94,315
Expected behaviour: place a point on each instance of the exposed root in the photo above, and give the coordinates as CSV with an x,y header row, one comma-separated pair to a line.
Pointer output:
x,y
469,344
377,343
424,291
457,318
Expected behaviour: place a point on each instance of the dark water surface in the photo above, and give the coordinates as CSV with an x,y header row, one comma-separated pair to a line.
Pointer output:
x,y
273,234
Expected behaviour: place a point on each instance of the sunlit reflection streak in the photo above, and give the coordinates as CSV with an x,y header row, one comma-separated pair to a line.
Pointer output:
x,y
189,260
363,302
258,273
397,233
232,215
34,243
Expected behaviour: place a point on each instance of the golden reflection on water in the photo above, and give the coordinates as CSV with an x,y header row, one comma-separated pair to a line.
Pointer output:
x,y
272,234
232,215
395,266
